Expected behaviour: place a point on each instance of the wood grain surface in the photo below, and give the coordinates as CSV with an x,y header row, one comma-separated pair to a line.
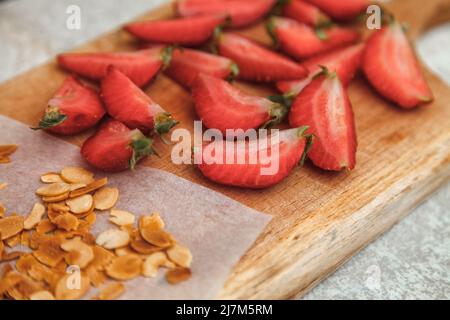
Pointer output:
x,y
321,219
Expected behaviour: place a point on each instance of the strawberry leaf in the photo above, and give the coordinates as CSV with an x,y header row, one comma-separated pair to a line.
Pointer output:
x,y
142,147
164,122
234,72
278,112
52,118
309,143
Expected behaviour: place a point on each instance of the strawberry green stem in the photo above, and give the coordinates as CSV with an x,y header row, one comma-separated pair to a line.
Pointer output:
x,y
277,112
52,118
142,147
166,56
163,123
309,142
234,72
270,27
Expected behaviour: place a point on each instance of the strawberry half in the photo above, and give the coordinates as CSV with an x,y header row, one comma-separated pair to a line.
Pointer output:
x,y
242,13
115,147
222,106
306,13
301,41
324,106
140,66
257,63
74,108
288,148
344,61
187,64
342,10
128,104
189,31
391,66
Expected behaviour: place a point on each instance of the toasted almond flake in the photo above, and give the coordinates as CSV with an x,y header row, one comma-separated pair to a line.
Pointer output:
x,y
13,241
122,218
153,262
81,204
151,222
106,198
77,175
35,216
10,226
58,198
24,288
10,256
2,248
111,291
25,239
157,237
7,149
143,247
128,251
67,222
42,295
89,239
125,267
49,251
178,275
2,210
76,186
66,289
84,255
89,188
53,189
4,160
113,238
45,226
36,239
180,255
3,185
96,277
91,218
51,177
60,206
102,258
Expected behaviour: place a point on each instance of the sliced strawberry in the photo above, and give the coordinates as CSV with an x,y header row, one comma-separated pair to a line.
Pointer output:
x,y
222,106
115,147
128,104
306,13
342,10
74,108
187,64
344,61
242,13
189,31
257,63
286,148
301,41
392,68
140,66
324,106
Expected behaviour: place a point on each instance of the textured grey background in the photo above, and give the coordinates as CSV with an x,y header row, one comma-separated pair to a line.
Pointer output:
x,y
411,261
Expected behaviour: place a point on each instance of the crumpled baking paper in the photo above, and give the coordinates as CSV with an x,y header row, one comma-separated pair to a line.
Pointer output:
x,y
218,230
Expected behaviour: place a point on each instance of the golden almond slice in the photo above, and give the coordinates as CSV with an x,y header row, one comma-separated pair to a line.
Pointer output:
x,y
84,253
77,175
11,256
35,216
153,262
102,258
106,198
7,149
76,186
10,226
89,188
81,204
2,248
3,185
96,277
53,189
67,222
125,267
111,291
122,218
13,241
49,251
51,177
91,218
25,239
157,237
180,255
143,247
4,160
42,295
177,275
2,210
72,287
113,238
154,221
58,198
45,226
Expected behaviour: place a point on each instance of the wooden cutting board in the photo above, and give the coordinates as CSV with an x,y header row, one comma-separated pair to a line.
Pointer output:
x,y
320,219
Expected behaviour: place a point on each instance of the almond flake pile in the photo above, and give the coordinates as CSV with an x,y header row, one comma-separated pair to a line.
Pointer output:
x,y
57,232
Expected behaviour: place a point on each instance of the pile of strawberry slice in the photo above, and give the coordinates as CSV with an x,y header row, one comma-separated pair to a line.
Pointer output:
x,y
322,58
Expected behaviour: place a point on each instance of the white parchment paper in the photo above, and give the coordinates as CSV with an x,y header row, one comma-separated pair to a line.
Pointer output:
x,y
217,229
